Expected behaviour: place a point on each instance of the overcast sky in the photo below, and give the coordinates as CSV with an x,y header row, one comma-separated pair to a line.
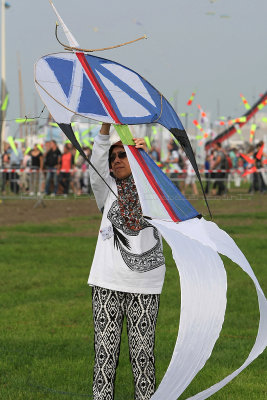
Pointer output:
x,y
218,55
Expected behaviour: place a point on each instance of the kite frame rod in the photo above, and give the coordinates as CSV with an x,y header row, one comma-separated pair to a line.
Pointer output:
x,y
66,47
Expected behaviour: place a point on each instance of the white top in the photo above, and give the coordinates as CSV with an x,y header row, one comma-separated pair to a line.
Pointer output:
x,y
174,164
135,267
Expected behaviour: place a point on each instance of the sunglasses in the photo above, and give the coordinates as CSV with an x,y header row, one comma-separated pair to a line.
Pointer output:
x,y
120,154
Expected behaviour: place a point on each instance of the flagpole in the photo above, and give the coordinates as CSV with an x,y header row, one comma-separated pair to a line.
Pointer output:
x,y
21,99
3,69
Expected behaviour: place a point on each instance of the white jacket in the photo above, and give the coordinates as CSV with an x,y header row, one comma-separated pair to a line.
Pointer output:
x,y
134,262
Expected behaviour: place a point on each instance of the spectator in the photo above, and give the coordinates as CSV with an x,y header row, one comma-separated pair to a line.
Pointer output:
x,y
233,155
52,164
25,174
258,183
85,183
190,179
154,153
219,163
173,160
37,165
78,175
5,165
16,158
67,164
207,166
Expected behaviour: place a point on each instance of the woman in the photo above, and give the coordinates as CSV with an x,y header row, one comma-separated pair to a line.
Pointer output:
x,y
127,273
5,165
37,164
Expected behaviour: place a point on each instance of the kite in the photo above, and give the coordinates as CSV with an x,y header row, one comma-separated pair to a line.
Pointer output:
x,y
221,121
256,163
196,123
5,103
12,144
3,110
205,134
203,115
237,120
76,83
79,84
252,132
24,120
259,105
190,101
245,102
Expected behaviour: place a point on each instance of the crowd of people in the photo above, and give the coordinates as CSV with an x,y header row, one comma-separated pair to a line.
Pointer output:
x,y
48,171
45,170
221,165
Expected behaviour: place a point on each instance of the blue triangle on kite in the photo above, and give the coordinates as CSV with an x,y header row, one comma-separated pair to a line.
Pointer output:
x,y
63,70
89,101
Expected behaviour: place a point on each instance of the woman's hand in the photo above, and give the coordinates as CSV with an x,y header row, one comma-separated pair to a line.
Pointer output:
x,y
105,128
140,143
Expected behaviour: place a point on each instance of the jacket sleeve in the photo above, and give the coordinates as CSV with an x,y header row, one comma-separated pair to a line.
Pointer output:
x,y
99,159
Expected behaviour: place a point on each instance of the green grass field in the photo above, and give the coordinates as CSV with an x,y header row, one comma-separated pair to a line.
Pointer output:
x,y
46,316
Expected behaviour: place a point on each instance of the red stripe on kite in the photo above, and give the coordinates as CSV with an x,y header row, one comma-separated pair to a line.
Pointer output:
x,y
98,88
153,183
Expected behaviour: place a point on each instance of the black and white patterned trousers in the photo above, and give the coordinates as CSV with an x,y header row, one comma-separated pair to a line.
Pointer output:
x,y
141,310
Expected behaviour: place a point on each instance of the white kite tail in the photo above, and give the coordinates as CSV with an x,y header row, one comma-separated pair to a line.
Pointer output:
x,y
71,39
195,245
226,246
203,302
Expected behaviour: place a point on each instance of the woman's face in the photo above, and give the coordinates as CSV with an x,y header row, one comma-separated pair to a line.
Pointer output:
x,y
119,163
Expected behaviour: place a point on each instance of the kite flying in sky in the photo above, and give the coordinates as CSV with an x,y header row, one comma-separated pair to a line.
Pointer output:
x,y
76,83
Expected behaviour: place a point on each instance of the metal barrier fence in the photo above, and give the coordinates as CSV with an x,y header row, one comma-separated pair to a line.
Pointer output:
x,y
36,182
17,182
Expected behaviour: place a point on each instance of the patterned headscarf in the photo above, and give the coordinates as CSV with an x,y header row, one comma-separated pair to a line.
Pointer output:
x,y
129,203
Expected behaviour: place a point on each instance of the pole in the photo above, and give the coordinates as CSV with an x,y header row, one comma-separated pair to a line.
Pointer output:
x,y
3,73
21,98
186,121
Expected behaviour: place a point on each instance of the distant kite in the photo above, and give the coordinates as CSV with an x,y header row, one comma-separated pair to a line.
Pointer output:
x,y
190,101
137,22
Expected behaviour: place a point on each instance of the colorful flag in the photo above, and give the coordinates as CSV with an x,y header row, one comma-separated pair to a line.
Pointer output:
x,y
245,102
190,101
